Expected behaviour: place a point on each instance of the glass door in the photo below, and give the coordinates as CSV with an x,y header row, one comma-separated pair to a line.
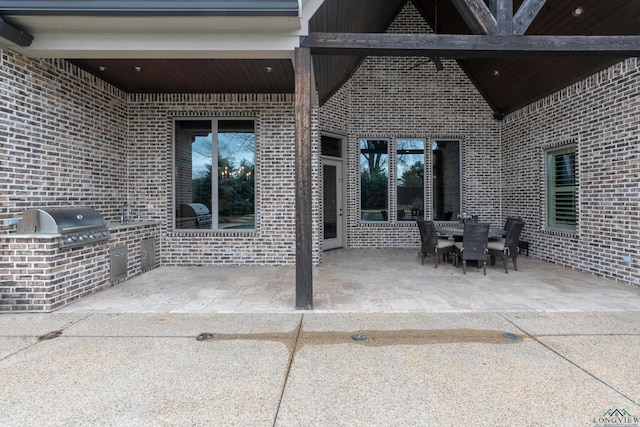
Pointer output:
x,y
332,203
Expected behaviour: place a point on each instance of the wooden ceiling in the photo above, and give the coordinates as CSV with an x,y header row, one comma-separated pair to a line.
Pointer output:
x,y
520,81
506,83
194,75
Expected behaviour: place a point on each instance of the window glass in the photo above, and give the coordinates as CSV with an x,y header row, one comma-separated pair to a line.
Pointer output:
x,y
561,188
374,180
410,178
331,146
446,182
214,157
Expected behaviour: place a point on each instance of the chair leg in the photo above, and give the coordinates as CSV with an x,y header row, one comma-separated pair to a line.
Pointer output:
x,y
484,267
504,264
437,257
515,264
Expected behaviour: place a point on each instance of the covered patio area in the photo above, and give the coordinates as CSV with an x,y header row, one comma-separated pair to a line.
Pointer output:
x,y
365,281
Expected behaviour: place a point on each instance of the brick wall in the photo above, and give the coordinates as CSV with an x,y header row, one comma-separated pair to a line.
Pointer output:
x,y
405,97
601,114
63,138
38,276
151,157
69,138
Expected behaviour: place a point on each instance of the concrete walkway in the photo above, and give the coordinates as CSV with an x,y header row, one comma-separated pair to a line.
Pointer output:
x,y
305,369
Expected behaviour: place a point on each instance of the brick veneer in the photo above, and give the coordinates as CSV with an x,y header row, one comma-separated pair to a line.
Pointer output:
x,y
151,157
63,138
37,275
601,114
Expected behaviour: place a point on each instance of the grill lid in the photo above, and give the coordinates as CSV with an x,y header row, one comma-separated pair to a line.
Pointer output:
x,y
193,210
76,225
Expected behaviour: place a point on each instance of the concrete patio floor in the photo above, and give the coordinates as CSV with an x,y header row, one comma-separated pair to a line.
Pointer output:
x,y
305,369
390,343
364,281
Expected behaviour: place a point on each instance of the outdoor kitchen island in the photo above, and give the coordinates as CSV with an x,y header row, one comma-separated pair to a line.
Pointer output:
x,y
38,275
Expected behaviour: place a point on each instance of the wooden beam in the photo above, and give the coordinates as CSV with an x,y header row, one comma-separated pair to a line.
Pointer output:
x,y
504,18
497,19
469,46
525,15
304,276
477,16
14,35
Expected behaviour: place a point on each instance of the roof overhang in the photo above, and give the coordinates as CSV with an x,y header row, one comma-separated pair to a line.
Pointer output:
x,y
151,29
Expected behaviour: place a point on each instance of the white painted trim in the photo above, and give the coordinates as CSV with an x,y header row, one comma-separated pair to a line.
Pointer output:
x,y
168,46
152,37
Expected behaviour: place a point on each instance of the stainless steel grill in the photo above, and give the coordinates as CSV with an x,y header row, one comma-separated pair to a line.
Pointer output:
x,y
195,215
77,226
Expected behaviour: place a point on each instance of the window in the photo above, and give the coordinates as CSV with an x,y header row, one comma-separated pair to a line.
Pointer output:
x,y
410,174
561,188
446,182
214,168
374,180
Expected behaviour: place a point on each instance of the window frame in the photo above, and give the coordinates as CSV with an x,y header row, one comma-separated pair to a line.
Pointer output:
x,y
425,170
460,156
551,189
428,208
214,121
389,175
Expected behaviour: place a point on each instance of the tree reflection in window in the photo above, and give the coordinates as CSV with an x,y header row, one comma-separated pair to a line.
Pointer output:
x,y
374,180
410,178
231,143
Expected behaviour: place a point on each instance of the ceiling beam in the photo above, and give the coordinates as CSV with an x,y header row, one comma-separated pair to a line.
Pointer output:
x,y
469,46
504,17
13,34
525,15
497,19
477,15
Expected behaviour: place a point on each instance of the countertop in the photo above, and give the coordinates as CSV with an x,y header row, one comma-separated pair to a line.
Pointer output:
x,y
118,226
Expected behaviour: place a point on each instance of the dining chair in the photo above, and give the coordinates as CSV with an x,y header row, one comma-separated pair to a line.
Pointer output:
x,y
431,244
509,222
473,245
507,247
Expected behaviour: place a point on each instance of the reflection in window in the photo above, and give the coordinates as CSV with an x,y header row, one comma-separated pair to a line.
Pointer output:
x,y
410,178
446,189
561,188
222,147
374,180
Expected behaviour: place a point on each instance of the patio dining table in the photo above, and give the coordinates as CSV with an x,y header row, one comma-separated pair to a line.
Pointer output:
x,y
458,231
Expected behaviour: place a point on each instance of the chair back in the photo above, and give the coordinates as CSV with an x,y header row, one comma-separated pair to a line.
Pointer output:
x,y
428,236
513,237
510,221
474,241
